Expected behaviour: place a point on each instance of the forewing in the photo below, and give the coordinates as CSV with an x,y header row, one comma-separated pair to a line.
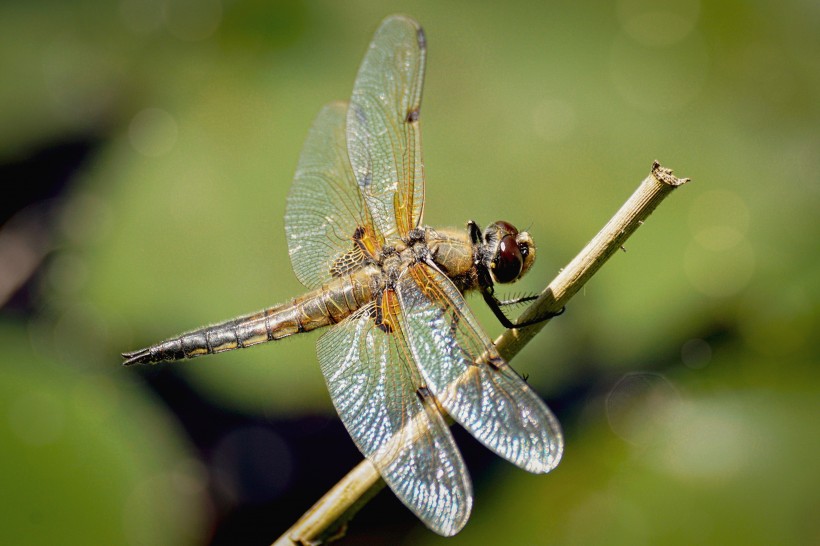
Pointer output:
x,y
383,134
463,369
328,228
377,392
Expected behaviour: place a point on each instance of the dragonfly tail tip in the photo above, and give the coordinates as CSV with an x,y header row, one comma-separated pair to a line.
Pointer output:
x,y
136,357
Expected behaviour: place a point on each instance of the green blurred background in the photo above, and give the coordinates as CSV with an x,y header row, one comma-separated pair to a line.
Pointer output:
x,y
146,151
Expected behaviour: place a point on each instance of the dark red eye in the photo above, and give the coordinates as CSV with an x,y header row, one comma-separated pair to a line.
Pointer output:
x,y
509,261
507,227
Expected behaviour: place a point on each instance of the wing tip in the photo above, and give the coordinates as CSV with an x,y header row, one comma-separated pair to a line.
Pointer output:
x,y
547,460
421,37
401,19
451,526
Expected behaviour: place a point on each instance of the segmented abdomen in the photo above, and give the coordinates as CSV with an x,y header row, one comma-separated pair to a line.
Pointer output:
x,y
322,307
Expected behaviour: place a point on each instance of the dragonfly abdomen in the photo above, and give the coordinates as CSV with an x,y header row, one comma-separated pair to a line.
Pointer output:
x,y
237,333
325,306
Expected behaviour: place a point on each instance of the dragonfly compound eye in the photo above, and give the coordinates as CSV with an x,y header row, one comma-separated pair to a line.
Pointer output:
x,y
509,261
506,227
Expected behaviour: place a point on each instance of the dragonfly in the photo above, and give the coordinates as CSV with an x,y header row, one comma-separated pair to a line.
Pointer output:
x,y
402,351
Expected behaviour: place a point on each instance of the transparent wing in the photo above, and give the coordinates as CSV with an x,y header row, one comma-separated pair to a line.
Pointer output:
x,y
395,423
328,229
383,134
469,378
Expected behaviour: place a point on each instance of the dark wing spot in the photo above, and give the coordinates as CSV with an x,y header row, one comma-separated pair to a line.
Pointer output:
x,y
412,116
385,327
347,262
367,180
353,258
359,113
496,362
423,393
422,39
383,322
373,312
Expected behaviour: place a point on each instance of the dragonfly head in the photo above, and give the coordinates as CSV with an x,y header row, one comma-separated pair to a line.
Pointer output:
x,y
509,253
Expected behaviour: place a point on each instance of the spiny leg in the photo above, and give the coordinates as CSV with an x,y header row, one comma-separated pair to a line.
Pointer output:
x,y
495,305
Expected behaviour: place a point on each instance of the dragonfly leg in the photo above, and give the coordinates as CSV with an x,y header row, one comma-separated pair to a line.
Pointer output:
x,y
475,231
542,318
495,305
516,301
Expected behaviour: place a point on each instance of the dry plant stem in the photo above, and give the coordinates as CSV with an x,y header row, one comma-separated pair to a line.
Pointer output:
x,y
609,240
328,517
